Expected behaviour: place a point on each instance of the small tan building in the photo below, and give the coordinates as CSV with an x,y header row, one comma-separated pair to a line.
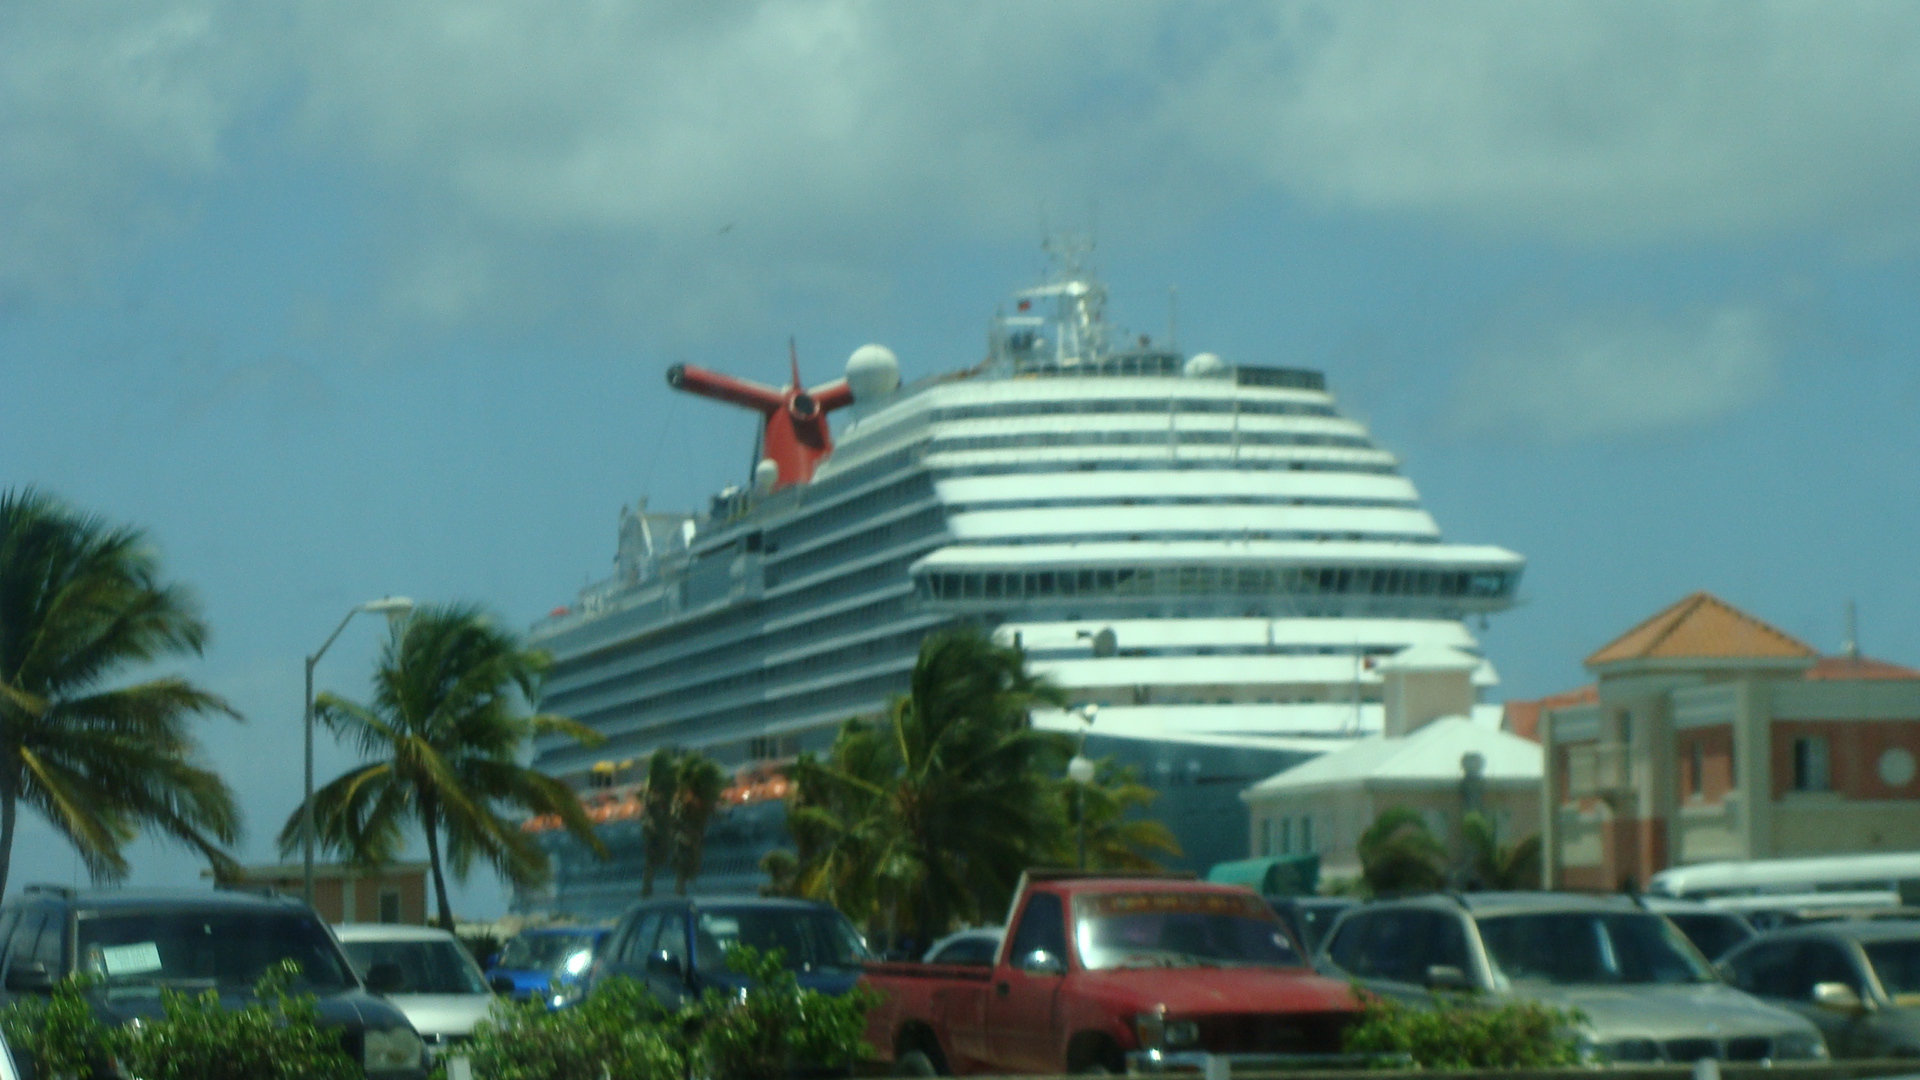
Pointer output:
x,y
396,893
1711,735
1422,760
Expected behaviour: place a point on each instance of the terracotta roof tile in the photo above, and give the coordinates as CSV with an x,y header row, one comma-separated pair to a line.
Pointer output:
x,y
1702,626
1858,667
1523,717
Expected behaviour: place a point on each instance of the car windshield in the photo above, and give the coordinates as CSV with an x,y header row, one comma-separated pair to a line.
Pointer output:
x,y
808,938
1898,965
223,950
1571,948
1175,929
426,967
545,952
1713,934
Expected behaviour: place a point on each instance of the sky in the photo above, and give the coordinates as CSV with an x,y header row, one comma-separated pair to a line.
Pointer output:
x,y
340,299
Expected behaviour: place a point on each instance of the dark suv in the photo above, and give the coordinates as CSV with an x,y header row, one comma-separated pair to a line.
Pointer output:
x,y
136,944
678,947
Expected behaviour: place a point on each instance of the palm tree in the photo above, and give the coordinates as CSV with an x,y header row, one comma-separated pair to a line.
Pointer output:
x,y
1491,866
80,603
697,786
656,813
929,814
442,739
1398,854
1116,840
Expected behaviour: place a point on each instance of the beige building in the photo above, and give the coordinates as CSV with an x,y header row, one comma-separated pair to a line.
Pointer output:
x,y
396,893
1422,761
1711,735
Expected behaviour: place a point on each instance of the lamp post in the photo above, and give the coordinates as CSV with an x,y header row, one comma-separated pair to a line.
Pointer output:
x,y
1080,770
395,608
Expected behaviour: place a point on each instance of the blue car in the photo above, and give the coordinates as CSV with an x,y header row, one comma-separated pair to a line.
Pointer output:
x,y
549,963
678,947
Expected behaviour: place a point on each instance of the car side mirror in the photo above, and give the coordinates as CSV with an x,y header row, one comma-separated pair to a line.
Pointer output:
x,y
1042,962
667,964
1448,977
385,978
31,977
1838,997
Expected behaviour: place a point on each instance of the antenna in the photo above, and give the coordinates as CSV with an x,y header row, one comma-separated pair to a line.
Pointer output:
x,y
1851,647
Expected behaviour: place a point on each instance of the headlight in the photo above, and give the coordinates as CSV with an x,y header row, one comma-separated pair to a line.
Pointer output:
x,y
394,1048
1800,1046
1151,1029
578,962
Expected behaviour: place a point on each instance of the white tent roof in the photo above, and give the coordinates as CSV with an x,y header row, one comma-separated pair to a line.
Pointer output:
x,y
1430,755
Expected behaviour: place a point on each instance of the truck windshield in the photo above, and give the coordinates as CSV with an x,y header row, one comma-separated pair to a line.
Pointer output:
x,y
1175,929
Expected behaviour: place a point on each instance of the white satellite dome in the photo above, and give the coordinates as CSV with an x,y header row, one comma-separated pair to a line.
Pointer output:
x,y
1204,365
765,475
873,371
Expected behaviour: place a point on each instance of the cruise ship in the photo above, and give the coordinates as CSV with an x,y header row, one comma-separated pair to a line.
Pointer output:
x,y
1203,551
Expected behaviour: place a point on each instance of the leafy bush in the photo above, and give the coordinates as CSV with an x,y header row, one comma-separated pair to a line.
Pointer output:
x,y
278,1037
1459,1032
776,1028
618,1031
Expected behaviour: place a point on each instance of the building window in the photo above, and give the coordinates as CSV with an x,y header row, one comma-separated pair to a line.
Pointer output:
x,y
389,905
1811,764
1696,766
1286,836
1266,836
1306,835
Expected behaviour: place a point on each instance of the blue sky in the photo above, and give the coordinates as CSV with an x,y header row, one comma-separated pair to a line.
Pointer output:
x,y
344,299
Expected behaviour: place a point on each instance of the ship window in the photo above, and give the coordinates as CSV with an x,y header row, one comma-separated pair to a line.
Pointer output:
x,y
1045,581
992,590
1086,581
1066,583
972,586
1105,581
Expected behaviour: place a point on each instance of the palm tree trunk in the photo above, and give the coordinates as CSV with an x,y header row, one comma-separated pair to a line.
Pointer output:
x,y
9,813
430,817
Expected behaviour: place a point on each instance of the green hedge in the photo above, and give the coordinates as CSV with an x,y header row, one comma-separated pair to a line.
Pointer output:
x,y
1458,1031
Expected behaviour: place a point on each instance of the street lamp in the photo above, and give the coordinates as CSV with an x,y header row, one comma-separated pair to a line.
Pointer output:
x,y
396,609
1080,770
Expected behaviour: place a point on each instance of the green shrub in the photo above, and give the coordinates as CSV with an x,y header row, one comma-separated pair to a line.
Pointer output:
x,y
1461,1032
775,1028
617,1031
278,1037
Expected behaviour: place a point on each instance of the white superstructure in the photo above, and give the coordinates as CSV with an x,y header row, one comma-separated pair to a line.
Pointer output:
x,y
1205,548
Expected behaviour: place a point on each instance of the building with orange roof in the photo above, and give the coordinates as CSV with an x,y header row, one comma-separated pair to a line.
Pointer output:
x,y
1710,734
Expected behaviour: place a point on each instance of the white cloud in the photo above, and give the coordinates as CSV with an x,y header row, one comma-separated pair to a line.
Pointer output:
x,y
831,134
1564,379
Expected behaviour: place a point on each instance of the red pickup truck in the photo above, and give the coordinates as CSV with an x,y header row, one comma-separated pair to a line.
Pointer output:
x,y
1094,969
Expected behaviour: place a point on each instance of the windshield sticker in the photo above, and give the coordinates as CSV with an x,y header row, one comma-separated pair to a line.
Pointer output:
x,y
1157,903
131,959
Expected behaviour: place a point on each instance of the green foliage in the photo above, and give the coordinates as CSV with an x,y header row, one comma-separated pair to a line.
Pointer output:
x,y
1493,866
443,739
1460,1032
1399,855
279,1036
682,793
617,1031
776,1027
773,1030
1117,839
81,604
926,817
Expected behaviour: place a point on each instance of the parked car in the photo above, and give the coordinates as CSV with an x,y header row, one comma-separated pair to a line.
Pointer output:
x,y
548,962
978,945
1308,918
1857,981
1646,994
1713,930
678,947
430,975
135,944
1099,968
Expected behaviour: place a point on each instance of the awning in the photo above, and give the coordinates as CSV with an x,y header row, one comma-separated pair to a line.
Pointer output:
x,y
1279,875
